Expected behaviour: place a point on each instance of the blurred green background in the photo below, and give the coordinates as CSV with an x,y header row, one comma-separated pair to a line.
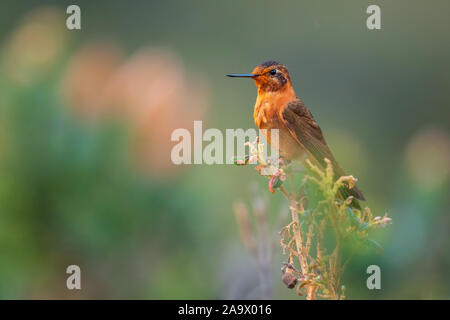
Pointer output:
x,y
85,123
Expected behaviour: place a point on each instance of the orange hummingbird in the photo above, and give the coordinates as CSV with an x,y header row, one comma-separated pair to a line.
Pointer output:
x,y
300,137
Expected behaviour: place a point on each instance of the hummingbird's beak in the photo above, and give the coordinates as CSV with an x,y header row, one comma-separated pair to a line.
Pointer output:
x,y
242,75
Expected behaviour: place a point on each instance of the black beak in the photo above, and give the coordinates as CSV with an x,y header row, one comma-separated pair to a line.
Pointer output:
x,y
242,75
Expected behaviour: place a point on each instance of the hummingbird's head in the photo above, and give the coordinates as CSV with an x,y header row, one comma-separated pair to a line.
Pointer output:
x,y
269,76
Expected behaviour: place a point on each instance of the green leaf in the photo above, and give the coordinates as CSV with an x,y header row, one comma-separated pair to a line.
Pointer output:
x,y
353,219
363,226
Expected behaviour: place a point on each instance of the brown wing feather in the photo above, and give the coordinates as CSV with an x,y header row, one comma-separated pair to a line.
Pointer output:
x,y
307,132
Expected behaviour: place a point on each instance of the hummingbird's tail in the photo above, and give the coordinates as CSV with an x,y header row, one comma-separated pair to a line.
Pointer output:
x,y
346,192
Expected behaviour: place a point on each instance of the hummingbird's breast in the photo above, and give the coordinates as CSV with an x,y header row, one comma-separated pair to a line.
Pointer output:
x,y
267,115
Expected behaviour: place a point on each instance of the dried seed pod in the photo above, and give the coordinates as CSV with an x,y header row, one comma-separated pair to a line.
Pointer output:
x,y
289,279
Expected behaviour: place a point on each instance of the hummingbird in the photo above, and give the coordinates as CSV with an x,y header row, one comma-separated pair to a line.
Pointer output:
x,y
300,137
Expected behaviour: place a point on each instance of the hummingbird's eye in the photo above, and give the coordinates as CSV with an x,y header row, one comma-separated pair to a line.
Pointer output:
x,y
273,72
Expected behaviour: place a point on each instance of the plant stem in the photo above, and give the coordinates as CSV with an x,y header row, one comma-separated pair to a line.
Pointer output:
x,y
293,206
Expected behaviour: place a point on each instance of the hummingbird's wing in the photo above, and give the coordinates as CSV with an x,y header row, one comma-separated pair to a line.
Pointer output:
x,y
307,132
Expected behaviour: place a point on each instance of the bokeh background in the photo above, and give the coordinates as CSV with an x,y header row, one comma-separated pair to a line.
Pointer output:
x,y
85,123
